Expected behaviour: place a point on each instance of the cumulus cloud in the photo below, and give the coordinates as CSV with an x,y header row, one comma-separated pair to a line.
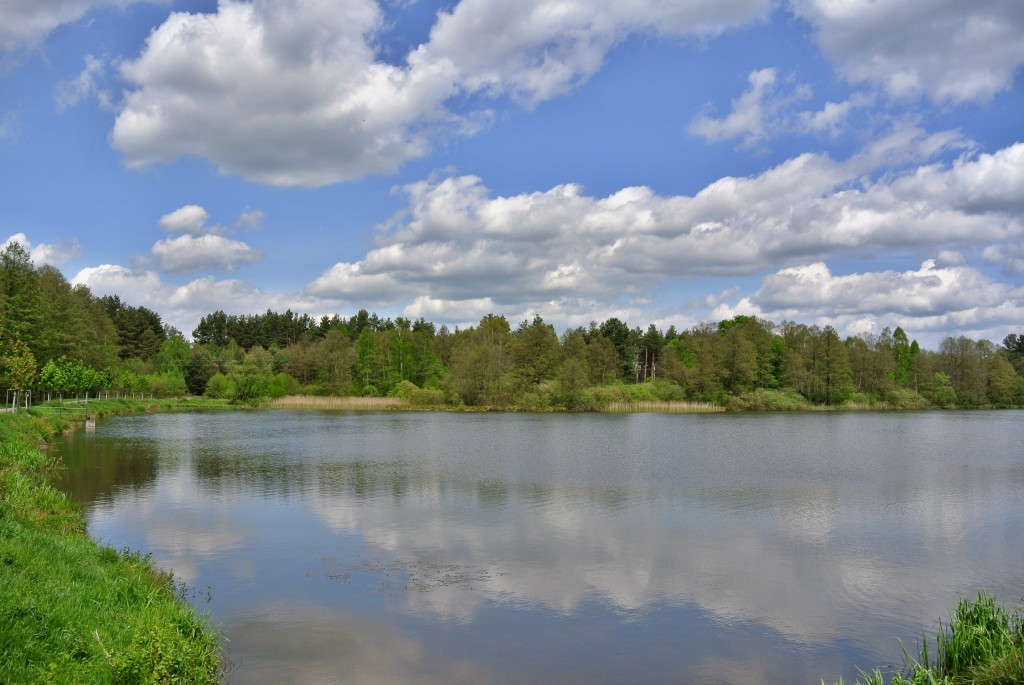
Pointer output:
x,y
188,219
189,254
534,50
1009,255
293,93
457,242
943,295
202,245
944,50
193,220
55,254
182,306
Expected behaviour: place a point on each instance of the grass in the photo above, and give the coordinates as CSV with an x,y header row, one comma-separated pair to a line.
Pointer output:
x,y
983,644
73,611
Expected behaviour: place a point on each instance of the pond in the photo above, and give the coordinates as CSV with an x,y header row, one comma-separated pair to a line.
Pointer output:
x,y
366,548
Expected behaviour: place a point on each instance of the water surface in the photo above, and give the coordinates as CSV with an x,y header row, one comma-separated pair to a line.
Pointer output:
x,y
509,548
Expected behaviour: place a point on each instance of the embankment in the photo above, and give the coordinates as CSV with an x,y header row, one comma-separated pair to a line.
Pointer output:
x,y
75,611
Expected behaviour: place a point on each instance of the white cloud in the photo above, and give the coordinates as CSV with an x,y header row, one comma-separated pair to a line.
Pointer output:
x,y
928,291
190,254
756,114
1009,255
188,219
456,242
534,50
25,23
286,93
946,50
470,310
193,220
768,108
182,306
943,296
55,254
833,115
292,92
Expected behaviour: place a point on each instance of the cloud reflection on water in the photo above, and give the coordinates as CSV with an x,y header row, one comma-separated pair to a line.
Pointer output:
x,y
814,555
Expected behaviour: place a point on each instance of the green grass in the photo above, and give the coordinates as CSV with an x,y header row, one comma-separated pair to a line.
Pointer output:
x,y
983,644
72,611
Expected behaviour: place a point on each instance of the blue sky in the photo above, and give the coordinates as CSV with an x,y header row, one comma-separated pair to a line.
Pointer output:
x,y
846,162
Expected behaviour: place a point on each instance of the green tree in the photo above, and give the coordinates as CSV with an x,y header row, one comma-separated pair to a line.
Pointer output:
x,y
335,358
1003,385
301,359
19,365
625,342
1013,344
250,378
21,302
199,369
831,368
534,351
961,360
872,364
369,362
941,392
649,352
480,372
174,355
901,353
140,331
737,360
695,364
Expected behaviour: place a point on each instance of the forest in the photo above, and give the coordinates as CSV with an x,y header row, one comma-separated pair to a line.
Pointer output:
x,y
59,340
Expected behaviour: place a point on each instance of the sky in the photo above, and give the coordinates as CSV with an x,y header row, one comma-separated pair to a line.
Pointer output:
x,y
853,163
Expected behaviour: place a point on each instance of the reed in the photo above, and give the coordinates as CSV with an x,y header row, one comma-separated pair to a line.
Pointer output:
x,y
338,403
661,407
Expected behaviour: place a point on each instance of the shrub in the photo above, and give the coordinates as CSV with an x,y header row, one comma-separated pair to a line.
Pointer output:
x,y
764,399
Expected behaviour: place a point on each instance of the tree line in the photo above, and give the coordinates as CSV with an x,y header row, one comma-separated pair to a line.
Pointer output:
x,y
58,339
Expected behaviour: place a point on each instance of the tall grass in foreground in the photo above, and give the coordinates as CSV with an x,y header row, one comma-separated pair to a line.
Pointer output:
x,y
983,644
72,611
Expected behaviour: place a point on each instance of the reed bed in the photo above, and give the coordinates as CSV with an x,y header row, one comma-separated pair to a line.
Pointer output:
x,y
347,403
662,407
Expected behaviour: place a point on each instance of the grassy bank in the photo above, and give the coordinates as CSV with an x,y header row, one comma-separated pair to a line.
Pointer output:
x,y
73,611
983,644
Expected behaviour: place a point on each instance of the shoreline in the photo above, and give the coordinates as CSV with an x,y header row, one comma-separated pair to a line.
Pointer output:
x,y
76,610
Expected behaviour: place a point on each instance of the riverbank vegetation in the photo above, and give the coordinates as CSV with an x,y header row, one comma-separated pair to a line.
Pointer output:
x,y
983,644
73,610
58,340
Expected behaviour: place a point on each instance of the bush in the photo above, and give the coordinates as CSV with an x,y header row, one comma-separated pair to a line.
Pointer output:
x,y
220,387
281,384
903,398
167,384
764,399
